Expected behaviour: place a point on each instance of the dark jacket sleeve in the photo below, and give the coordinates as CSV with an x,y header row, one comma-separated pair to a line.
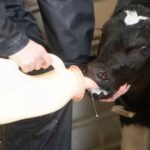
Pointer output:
x,y
11,40
19,13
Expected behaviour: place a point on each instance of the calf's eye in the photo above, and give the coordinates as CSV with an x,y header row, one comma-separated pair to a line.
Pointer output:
x,y
145,51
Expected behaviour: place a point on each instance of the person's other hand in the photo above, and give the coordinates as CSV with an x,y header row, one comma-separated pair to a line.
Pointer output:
x,y
32,57
122,90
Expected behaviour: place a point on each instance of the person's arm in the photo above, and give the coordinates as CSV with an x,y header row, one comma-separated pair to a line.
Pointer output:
x,y
16,45
11,40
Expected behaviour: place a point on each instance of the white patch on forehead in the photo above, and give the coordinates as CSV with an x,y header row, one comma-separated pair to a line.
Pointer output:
x,y
133,18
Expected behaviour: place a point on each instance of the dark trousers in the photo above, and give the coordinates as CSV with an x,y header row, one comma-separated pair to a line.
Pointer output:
x,y
69,25
49,132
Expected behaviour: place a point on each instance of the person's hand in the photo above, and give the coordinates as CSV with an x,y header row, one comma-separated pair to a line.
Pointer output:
x,y
122,90
32,57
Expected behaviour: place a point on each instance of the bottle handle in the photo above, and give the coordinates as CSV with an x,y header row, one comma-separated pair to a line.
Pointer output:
x,y
9,64
57,63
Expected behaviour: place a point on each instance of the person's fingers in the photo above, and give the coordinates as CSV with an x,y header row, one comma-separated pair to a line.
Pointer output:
x,y
38,65
24,69
27,68
46,60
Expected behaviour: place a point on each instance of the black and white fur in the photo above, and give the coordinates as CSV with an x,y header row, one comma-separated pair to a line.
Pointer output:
x,y
124,57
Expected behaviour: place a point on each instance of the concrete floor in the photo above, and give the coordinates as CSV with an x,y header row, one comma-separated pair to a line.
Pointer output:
x,y
91,133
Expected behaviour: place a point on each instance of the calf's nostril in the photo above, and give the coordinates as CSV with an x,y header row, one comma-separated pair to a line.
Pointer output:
x,y
102,75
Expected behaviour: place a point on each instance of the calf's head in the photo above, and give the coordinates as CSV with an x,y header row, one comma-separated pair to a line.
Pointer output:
x,y
124,52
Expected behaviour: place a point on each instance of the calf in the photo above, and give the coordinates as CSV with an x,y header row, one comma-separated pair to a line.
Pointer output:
x,y
124,57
